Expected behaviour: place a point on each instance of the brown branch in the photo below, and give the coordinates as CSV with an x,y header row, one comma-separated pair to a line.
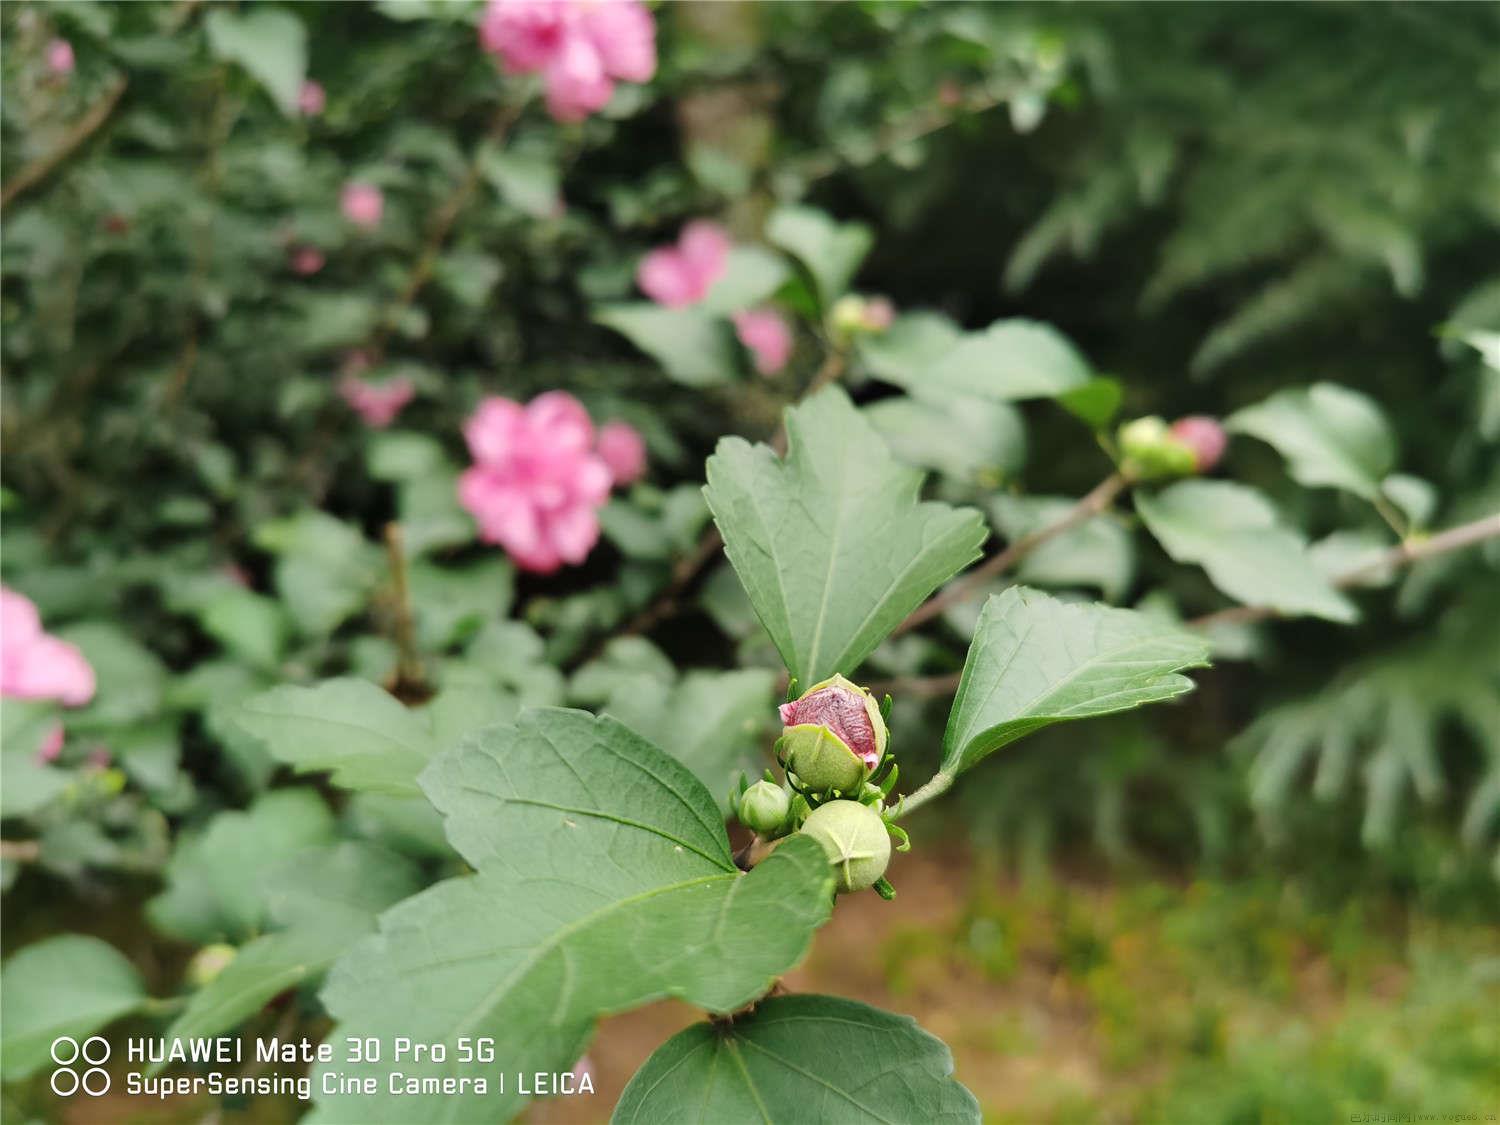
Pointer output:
x,y
1097,501
409,682
84,128
21,851
1403,554
1454,539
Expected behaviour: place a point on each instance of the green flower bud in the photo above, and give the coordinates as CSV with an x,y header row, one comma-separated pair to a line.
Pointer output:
x,y
1150,451
764,807
208,963
855,839
821,760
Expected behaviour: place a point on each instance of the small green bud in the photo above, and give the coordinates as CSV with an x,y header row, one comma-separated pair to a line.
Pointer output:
x,y
208,963
855,839
821,759
763,808
1150,451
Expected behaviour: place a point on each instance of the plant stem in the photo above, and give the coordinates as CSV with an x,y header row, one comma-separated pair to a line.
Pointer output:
x,y
1094,503
939,784
1403,554
21,851
44,165
409,680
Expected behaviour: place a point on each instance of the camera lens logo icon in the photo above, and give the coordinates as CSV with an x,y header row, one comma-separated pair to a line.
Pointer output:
x,y
71,1057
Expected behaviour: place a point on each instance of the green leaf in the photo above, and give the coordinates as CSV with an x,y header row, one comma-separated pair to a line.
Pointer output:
x,y
1330,436
1417,498
969,439
1009,361
831,544
328,897
365,736
214,879
605,881
325,569
69,985
831,251
913,342
399,455
529,181
1095,402
270,43
708,721
1036,660
130,678
752,274
693,346
800,1058
1233,532
250,625
1098,552
451,603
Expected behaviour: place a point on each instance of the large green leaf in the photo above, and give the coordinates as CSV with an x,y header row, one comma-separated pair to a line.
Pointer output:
x,y
831,251
970,439
831,544
1233,532
1036,660
1006,362
69,985
693,346
604,881
361,733
751,275
270,43
799,1059
1328,434
325,569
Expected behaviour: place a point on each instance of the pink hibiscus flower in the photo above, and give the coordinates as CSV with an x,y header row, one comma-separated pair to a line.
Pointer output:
x,y
34,664
623,450
362,204
377,403
767,335
681,275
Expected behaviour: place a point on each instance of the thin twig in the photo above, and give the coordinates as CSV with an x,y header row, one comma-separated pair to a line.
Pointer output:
x,y
1097,501
1403,554
409,679
84,128
21,851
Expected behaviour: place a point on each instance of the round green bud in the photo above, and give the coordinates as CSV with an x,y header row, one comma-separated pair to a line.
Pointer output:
x,y
1150,451
821,759
855,840
208,963
764,807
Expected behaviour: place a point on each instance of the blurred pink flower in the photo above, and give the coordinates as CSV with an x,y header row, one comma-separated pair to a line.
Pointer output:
x,y
34,664
879,313
536,485
680,275
51,746
1204,436
581,47
362,204
60,56
99,758
768,336
311,99
623,450
307,260
377,403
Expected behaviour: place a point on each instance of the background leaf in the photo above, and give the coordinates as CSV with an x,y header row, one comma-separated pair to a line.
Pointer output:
x,y
800,1058
1233,532
1328,434
270,43
1009,361
693,347
831,251
831,544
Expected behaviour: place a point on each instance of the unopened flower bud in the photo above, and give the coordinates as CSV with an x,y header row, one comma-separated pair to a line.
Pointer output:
x,y
834,735
853,315
1149,451
208,963
1204,436
764,807
855,839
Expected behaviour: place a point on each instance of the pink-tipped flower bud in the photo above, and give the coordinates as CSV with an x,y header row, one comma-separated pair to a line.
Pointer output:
x,y
833,735
1148,451
855,839
1204,436
208,963
60,57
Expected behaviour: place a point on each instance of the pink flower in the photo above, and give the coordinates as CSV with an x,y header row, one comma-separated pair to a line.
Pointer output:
x,y
879,313
311,99
681,275
581,47
377,403
623,450
35,665
1204,436
60,56
768,336
307,260
536,485
362,204
51,746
